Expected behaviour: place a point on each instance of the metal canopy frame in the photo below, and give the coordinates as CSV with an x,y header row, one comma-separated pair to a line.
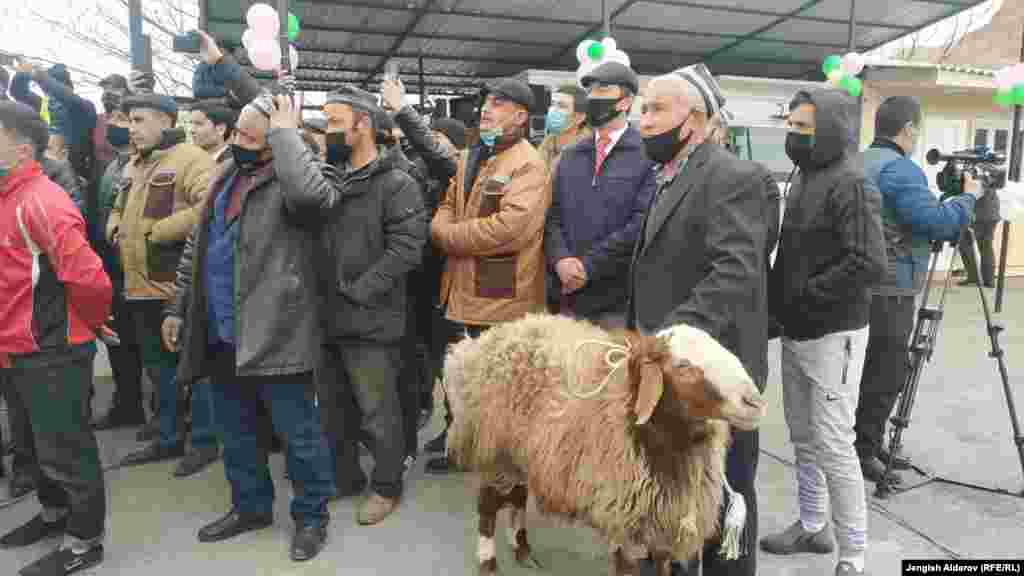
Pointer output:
x,y
344,40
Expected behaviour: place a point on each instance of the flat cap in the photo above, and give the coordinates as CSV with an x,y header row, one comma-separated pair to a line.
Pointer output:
x,y
614,74
454,129
511,89
114,82
160,102
354,97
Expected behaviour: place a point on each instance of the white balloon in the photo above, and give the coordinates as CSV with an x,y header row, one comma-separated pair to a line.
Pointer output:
x,y
247,37
581,51
853,63
293,57
609,44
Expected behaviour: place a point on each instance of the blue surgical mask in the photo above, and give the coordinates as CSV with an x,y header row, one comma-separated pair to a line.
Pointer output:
x,y
490,137
556,121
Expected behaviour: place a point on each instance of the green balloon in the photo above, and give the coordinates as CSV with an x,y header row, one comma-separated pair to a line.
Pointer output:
x,y
831,63
293,26
596,51
1004,98
854,86
1018,94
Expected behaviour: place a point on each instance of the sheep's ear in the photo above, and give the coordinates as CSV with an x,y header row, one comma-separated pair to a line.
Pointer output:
x,y
648,392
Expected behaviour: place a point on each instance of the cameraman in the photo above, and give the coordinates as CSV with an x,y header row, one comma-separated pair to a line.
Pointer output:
x,y
912,218
986,217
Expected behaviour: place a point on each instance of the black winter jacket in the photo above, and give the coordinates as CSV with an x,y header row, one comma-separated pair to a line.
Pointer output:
x,y
831,249
374,235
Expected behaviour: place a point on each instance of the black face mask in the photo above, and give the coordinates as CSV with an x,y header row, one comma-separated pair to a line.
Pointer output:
x,y
662,148
118,136
800,148
338,150
601,111
245,158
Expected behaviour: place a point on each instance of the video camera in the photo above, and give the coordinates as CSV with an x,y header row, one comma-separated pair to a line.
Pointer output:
x,y
980,162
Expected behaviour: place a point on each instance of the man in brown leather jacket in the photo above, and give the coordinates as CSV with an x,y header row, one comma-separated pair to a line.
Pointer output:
x,y
490,224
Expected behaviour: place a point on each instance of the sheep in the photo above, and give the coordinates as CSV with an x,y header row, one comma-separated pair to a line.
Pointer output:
x,y
639,457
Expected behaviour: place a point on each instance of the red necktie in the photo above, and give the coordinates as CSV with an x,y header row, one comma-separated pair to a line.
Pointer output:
x,y
603,143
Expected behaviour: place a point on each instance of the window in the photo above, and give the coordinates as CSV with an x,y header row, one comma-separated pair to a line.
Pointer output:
x,y
762,144
1001,143
980,138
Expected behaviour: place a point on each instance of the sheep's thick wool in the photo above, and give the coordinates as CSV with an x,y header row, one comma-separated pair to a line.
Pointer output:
x,y
584,460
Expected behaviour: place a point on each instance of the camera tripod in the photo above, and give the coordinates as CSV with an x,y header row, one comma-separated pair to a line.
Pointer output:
x,y
922,345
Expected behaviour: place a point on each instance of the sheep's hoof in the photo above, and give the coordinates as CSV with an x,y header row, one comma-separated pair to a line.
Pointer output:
x,y
488,568
525,557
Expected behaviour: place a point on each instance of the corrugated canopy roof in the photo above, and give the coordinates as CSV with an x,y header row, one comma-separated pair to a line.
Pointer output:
x,y
463,42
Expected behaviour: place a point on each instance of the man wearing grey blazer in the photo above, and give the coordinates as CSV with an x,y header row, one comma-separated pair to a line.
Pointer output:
x,y
702,257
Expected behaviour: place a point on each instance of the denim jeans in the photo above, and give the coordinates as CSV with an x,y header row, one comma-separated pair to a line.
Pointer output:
x,y
820,387
160,365
289,400
204,434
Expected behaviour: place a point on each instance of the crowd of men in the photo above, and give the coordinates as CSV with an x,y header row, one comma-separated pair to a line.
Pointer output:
x,y
290,285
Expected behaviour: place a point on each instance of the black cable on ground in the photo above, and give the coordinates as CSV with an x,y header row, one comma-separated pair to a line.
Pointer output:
x,y
895,518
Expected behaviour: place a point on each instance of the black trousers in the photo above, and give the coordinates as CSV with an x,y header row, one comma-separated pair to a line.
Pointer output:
x,y
886,365
420,360
741,471
126,358
20,427
984,231
69,477
359,393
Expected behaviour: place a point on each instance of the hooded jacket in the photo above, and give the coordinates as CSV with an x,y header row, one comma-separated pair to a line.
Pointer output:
x,y
831,248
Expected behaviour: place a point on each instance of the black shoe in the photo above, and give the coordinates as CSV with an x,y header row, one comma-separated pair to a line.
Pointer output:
x,y
440,465
350,489
196,461
149,432
35,530
155,452
22,484
233,524
308,541
64,561
437,445
874,470
116,419
276,445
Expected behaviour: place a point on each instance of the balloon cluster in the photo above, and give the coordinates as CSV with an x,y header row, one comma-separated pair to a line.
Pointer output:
x,y
1010,86
842,72
260,39
592,53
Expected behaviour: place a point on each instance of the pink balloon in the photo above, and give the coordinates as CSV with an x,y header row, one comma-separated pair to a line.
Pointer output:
x,y
1016,75
262,55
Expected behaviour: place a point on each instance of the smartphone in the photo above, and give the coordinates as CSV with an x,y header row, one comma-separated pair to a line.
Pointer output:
x,y
187,43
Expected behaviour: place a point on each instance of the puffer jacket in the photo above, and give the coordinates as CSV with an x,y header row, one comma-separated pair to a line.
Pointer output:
x,y
491,230
912,217
152,221
374,236
277,315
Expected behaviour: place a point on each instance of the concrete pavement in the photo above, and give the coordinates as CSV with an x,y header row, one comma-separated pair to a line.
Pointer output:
x,y
960,430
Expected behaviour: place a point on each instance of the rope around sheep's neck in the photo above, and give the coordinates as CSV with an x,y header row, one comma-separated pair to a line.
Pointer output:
x,y
614,364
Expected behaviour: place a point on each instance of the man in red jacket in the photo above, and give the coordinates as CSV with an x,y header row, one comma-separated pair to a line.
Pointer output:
x,y
54,295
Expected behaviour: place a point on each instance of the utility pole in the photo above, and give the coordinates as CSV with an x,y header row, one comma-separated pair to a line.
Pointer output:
x,y
1015,165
